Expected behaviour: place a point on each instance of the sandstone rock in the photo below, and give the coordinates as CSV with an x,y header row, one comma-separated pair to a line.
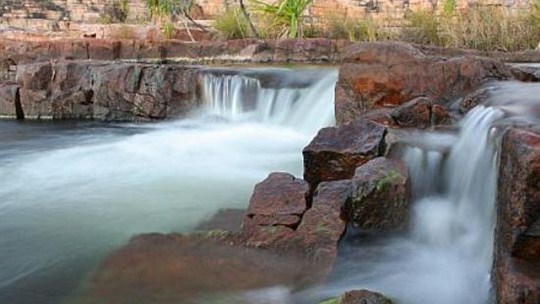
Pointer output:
x,y
380,195
414,113
173,268
517,246
223,220
375,75
10,101
335,152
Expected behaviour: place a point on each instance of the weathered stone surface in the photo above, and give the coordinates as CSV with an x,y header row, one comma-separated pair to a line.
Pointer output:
x,y
157,268
10,104
375,75
96,90
223,220
414,113
335,152
380,195
517,248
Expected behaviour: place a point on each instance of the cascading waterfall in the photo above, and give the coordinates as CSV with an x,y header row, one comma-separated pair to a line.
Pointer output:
x,y
243,98
446,258
72,192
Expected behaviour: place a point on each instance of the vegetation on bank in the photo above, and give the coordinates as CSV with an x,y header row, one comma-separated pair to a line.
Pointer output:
x,y
482,27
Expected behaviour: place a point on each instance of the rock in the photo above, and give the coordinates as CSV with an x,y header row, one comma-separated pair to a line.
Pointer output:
x,y
517,238
414,113
388,74
96,90
173,268
279,220
335,152
10,101
380,196
279,200
359,297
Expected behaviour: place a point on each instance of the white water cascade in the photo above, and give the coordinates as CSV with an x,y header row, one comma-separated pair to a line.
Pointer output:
x,y
72,192
446,258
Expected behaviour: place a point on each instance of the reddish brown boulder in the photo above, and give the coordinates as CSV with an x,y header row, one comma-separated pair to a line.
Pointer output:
x,y
359,297
384,74
335,152
380,195
157,268
223,220
517,245
414,113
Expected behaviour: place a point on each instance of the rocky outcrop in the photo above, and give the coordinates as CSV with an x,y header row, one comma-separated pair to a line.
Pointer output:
x,y
335,152
419,113
380,196
96,90
517,248
386,75
10,100
235,51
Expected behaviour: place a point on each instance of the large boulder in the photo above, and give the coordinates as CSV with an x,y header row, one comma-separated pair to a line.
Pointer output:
x,y
387,74
335,152
10,101
517,246
380,196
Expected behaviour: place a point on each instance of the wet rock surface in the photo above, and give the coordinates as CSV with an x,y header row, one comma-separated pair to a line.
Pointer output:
x,y
380,196
335,152
379,75
362,296
517,247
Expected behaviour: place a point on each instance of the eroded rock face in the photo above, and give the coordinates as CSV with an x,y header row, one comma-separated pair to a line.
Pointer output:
x,y
378,75
10,101
380,195
335,152
362,296
97,90
517,248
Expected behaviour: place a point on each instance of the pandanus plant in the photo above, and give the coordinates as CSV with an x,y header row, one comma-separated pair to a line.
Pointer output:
x,y
287,15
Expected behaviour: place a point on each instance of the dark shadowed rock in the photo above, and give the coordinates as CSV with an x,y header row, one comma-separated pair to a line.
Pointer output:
x,y
380,195
517,245
335,152
384,74
10,102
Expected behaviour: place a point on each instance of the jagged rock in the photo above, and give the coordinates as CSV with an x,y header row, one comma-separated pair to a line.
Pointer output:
x,y
335,152
414,113
517,238
10,103
380,195
387,74
224,219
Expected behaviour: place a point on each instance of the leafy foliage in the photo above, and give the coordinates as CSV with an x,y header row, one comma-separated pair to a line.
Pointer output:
x,y
287,16
232,24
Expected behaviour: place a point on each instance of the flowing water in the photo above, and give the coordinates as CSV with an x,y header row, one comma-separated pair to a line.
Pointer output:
x,y
72,192
446,258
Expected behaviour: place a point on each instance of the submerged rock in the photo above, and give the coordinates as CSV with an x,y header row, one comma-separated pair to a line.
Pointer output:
x,y
380,195
517,238
387,74
335,152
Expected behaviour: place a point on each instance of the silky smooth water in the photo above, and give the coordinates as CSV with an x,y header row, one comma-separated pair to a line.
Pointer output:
x,y
73,192
446,258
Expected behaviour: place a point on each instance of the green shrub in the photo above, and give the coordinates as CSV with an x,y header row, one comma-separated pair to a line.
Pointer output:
x,y
232,24
169,30
366,29
287,16
422,27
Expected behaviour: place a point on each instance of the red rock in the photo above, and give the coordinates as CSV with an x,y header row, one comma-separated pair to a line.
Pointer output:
x,y
414,113
335,152
517,238
384,74
155,267
10,101
364,297
380,195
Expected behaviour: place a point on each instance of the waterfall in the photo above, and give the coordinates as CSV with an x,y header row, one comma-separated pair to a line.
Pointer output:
x,y
244,98
446,257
